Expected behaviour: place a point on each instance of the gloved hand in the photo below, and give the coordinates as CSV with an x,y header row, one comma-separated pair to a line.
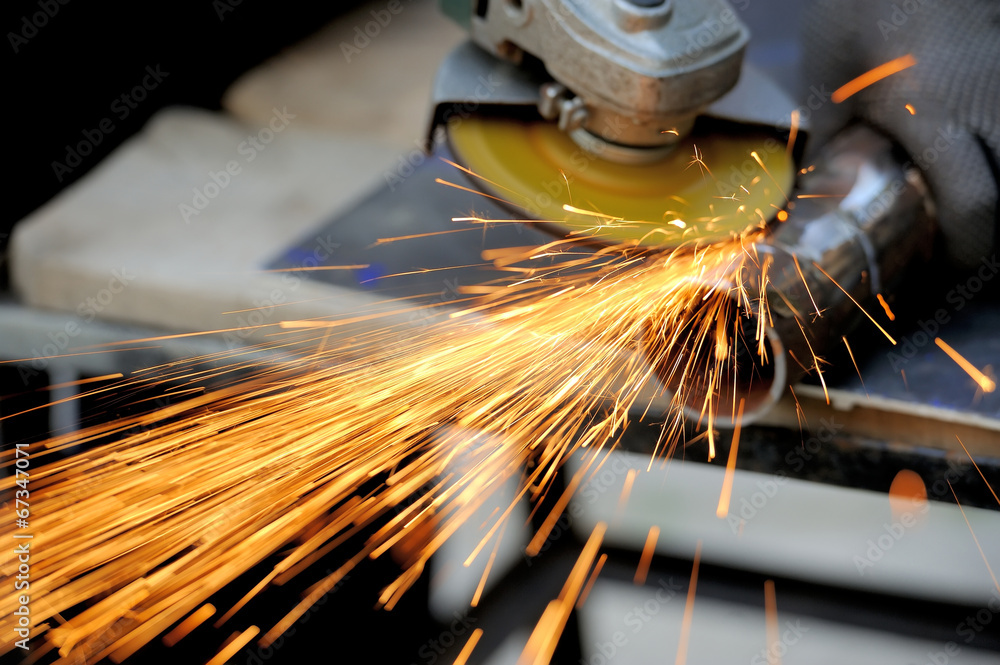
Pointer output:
x,y
954,89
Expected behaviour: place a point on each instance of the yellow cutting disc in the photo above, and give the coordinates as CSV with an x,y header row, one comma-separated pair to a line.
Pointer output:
x,y
708,188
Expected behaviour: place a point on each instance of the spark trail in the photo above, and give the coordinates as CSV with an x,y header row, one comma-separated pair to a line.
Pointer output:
x,y
435,420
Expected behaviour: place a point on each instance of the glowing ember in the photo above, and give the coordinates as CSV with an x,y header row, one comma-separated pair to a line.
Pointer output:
x,y
647,555
463,656
771,617
722,511
987,384
872,76
682,646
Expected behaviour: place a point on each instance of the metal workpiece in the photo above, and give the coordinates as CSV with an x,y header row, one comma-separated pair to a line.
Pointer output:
x,y
859,218
635,73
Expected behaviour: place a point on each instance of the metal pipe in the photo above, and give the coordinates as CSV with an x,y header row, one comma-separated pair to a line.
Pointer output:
x,y
861,216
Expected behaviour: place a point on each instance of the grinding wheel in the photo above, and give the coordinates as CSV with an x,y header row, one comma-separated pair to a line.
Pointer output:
x,y
707,189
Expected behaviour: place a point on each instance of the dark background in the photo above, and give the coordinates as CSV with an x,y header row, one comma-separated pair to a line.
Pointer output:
x,y
65,71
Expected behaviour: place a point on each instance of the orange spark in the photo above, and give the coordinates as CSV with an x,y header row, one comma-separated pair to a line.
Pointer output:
x,y
771,617
231,649
429,234
909,107
756,157
722,510
642,570
266,467
988,486
985,382
590,582
885,306
463,656
887,335
626,490
682,646
989,568
83,382
358,266
805,283
872,76
793,133
542,643
855,363
184,628
489,566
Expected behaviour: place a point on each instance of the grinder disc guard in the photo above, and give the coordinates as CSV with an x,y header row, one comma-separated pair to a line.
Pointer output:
x,y
707,189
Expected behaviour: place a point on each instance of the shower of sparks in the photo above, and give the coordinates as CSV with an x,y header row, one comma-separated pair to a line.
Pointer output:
x,y
167,508
986,383
355,426
871,77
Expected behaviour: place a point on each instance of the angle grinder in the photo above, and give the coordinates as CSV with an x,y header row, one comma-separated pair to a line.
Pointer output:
x,y
641,114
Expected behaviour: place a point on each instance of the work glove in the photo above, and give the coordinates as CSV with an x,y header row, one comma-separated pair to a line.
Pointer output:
x,y
953,132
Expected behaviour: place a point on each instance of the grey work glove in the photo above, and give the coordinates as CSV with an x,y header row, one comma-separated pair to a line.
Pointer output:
x,y
954,88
